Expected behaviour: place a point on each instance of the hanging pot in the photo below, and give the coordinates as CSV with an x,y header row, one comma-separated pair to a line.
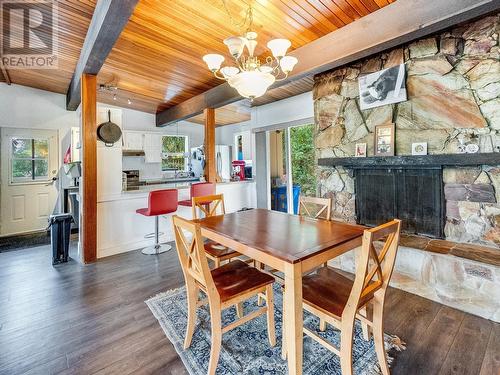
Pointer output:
x,y
108,132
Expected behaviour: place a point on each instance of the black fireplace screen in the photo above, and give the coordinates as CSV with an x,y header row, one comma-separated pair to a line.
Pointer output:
x,y
415,196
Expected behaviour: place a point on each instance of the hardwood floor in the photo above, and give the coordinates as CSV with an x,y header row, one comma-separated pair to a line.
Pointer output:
x,y
76,319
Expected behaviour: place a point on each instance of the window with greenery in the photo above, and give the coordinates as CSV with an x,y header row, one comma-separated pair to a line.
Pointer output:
x,y
302,149
30,159
174,148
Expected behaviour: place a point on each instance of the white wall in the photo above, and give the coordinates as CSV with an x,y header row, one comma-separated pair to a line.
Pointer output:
x,y
295,108
25,107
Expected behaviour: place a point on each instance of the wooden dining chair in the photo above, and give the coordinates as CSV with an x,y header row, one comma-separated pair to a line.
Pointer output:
x,y
228,285
339,301
317,208
211,205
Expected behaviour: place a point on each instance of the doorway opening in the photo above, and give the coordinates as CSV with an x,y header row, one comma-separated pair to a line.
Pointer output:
x,y
291,166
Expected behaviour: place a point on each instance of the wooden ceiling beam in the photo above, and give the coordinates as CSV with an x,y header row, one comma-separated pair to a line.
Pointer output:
x,y
401,22
108,21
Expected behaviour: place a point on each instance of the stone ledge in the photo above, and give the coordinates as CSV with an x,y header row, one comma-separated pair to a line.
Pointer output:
x,y
413,161
478,253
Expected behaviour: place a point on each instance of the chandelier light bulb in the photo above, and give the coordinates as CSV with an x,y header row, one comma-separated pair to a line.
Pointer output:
x,y
287,63
214,61
279,47
235,44
229,71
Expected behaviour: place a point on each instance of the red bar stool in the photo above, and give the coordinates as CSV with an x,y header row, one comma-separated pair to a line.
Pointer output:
x,y
160,202
200,189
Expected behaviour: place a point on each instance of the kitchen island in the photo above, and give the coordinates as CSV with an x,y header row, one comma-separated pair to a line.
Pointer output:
x,y
121,229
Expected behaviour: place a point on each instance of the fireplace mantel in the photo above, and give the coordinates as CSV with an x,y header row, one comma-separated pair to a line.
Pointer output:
x,y
410,161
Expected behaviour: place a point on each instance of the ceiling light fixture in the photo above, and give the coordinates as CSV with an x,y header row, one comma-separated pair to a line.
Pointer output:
x,y
129,101
249,77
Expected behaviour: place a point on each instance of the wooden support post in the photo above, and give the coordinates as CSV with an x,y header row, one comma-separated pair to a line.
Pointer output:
x,y
210,169
89,168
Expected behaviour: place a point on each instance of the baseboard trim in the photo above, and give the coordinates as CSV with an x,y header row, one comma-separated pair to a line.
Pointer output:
x,y
126,247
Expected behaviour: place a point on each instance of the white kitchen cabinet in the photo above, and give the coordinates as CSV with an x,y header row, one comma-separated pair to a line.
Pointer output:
x,y
133,140
152,147
152,141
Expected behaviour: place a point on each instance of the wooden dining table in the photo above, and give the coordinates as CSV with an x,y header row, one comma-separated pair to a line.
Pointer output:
x,y
291,244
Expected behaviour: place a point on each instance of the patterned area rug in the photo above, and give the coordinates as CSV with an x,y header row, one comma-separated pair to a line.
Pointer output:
x,y
246,350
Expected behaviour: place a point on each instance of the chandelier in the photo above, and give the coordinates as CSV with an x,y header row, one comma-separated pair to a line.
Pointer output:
x,y
250,77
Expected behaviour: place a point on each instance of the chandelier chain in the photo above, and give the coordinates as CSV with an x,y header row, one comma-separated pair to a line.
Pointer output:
x,y
248,16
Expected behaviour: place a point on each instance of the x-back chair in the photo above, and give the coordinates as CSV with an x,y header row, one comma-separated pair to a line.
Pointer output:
x,y
228,285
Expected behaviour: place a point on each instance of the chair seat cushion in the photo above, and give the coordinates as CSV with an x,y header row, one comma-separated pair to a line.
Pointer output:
x,y
217,250
185,202
237,277
328,291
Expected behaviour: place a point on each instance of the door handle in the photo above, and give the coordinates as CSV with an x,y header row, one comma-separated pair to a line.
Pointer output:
x,y
52,180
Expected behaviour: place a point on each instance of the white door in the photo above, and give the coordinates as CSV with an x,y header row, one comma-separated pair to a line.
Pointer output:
x,y
29,163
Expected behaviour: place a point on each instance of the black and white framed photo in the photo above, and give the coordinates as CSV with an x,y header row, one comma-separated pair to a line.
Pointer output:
x,y
383,87
360,151
419,148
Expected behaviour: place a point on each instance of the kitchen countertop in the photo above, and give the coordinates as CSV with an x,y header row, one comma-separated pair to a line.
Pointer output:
x,y
144,190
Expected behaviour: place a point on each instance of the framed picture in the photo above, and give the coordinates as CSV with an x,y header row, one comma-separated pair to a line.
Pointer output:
x,y
360,151
383,87
384,140
419,148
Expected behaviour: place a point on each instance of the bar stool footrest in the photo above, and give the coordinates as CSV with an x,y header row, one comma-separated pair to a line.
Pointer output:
x,y
153,234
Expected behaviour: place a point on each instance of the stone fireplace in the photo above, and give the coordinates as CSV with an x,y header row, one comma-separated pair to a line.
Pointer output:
x,y
453,86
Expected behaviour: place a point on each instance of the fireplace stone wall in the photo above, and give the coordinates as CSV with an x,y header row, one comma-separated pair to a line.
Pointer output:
x,y
453,85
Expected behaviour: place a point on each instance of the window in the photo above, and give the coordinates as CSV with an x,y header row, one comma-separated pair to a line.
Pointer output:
x,y
30,159
174,149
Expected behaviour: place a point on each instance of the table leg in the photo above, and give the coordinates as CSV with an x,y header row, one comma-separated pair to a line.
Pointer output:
x,y
294,317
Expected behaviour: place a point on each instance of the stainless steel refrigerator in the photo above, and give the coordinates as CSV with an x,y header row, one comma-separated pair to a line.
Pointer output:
x,y
222,161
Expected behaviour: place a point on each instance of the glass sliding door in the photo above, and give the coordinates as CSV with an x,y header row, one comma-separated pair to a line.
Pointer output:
x,y
302,156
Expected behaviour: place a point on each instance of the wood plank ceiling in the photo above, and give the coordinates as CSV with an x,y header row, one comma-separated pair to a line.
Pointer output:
x,y
72,23
156,63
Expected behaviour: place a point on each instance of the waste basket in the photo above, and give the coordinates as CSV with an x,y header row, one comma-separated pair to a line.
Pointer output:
x,y
60,229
